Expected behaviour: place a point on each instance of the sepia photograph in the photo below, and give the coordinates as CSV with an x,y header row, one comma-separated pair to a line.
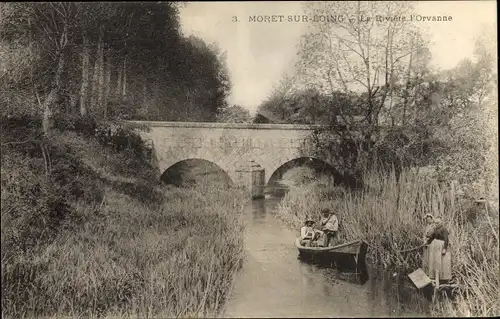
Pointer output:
x,y
251,159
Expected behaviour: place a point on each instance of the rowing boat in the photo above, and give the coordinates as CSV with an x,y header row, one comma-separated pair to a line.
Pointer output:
x,y
353,251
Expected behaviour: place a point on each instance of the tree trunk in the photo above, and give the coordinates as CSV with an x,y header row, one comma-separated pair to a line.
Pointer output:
x,y
47,113
100,96
389,72
391,77
107,84
145,94
119,81
415,92
405,101
156,99
95,78
85,76
30,50
124,87
52,97
73,101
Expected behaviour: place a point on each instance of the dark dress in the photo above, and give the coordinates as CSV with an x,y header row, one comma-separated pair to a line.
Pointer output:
x,y
441,233
433,259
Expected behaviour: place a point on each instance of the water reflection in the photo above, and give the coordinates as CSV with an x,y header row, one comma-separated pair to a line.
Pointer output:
x,y
275,283
276,189
258,210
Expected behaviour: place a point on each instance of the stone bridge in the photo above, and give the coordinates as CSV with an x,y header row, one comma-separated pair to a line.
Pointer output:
x,y
233,147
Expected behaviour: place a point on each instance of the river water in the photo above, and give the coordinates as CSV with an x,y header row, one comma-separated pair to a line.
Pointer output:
x,y
273,282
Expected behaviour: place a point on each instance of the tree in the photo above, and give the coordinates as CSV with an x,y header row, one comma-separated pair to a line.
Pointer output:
x,y
353,54
377,69
43,29
235,114
132,62
466,98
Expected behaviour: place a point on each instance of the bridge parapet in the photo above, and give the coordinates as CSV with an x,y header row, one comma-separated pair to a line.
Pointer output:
x,y
240,126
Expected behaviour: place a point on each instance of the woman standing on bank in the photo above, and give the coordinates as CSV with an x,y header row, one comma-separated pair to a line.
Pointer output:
x,y
437,256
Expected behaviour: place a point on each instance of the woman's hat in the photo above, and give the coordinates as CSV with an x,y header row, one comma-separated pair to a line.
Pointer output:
x,y
438,221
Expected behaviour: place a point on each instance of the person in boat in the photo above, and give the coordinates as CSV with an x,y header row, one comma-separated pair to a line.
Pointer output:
x,y
307,233
330,227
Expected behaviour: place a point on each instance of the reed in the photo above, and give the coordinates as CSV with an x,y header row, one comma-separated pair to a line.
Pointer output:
x,y
388,214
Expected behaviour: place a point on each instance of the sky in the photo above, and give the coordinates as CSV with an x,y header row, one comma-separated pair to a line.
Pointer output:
x,y
259,53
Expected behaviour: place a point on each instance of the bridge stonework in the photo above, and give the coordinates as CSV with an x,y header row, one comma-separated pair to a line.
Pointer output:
x,y
230,146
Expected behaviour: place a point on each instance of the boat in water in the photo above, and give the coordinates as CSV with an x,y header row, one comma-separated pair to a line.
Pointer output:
x,y
350,254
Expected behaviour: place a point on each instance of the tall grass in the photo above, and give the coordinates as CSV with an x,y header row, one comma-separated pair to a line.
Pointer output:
x,y
121,252
175,261
388,214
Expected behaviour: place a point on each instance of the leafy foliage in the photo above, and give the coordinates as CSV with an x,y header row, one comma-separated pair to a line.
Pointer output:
x,y
235,114
110,60
385,106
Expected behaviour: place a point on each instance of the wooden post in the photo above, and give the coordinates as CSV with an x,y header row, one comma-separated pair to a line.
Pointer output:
x,y
436,285
356,263
437,278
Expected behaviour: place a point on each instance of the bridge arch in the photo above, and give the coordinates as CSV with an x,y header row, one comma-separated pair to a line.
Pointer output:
x,y
345,179
189,169
313,162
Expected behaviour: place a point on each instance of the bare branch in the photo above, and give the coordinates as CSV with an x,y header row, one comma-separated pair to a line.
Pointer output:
x,y
404,55
54,6
33,139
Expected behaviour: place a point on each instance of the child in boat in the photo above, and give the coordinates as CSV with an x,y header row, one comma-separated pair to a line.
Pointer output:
x,y
330,225
307,233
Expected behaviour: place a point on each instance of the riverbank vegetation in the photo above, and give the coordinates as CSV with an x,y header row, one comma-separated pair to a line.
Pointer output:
x,y
87,228
419,138
89,232
388,214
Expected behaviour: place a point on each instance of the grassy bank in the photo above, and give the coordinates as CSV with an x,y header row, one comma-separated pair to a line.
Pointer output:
x,y
389,215
95,235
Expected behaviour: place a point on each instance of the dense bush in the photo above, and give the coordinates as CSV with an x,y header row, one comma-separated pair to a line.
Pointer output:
x,y
113,134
